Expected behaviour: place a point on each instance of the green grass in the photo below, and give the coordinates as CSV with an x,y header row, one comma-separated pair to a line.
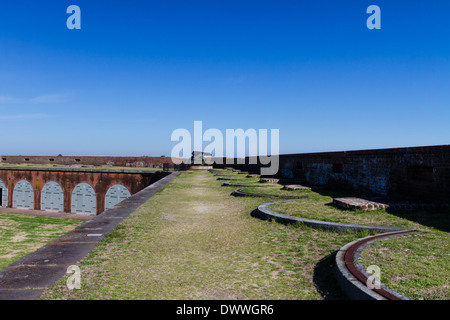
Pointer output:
x,y
21,234
417,266
246,181
192,240
319,207
278,191
206,245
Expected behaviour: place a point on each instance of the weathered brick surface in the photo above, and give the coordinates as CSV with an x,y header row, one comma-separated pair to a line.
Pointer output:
x,y
153,162
100,180
418,174
270,180
358,204
295,187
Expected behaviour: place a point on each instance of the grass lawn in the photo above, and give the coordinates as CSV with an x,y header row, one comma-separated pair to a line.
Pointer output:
x,y
192,240
21,234
251,181
240,178
417,266
278,191
318,207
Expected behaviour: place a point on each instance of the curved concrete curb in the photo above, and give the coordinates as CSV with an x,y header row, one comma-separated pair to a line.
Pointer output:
x,y
353,278
240,193
264,212
246,185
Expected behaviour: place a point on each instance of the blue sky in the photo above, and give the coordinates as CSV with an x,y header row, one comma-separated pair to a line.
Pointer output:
x,y
138,70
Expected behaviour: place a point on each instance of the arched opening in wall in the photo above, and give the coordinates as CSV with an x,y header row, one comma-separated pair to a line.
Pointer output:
x,y
23,195
3,194
84,199
115,195
52,197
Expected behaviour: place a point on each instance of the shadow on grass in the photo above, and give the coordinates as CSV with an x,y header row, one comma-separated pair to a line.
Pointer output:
x,y
256,214
436,218
324,277
325,281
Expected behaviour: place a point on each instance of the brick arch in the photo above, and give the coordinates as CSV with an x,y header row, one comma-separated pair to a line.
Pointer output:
x,y
101,181
86,192
3,194
23,195
116,195
105,181
52,197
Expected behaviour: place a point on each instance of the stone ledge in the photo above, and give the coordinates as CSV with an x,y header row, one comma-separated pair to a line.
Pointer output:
x,y
246,185
73,169
295,187
269,180
241,193
353,203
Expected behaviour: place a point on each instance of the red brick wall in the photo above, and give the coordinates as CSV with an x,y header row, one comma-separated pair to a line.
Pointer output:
x,y
136,161
68,180
418,174
96,161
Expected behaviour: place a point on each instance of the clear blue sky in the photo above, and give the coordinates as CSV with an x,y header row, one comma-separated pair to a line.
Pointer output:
x,y
137,70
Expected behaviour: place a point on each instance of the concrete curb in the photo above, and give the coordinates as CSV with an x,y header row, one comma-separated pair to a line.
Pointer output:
x,y
246,185
264,212
353,278
240,193
224,174
27,278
